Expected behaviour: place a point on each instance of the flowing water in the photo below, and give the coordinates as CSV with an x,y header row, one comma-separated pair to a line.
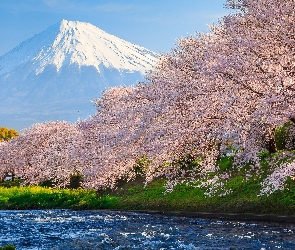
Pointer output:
x,y
66,229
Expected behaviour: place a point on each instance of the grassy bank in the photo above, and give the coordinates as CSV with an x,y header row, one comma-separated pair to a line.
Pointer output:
x,y
133,196
34,197
243,196
8,247
239,193
244,199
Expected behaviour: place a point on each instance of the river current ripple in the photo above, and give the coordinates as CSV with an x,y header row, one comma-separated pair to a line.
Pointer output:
x,y
66,229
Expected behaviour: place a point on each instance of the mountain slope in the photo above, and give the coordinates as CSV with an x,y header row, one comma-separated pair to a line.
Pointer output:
x,y
55,74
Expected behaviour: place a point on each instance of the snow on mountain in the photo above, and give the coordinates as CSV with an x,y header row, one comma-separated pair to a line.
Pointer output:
x,y
55,74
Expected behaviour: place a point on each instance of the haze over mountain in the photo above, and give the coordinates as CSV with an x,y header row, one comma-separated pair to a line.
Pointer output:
x,y
55,74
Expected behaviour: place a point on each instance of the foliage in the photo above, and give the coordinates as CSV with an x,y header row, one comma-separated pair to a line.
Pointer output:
x,y
34,197
8,247
75,180
140,166
7,134
284,136
11,183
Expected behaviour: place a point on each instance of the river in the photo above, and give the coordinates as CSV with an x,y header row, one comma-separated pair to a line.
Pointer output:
x,y
66,229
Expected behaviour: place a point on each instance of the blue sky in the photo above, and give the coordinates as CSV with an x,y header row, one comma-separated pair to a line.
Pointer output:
x,y
154,24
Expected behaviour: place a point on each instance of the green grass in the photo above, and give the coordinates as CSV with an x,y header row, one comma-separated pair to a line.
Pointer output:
x,y
8,247
134,196
34,197
242,198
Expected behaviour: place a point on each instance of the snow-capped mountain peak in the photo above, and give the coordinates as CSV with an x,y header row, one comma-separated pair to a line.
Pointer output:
x,y
73,42
55,74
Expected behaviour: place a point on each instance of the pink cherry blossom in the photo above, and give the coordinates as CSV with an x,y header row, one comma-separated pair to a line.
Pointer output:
x,y
233,85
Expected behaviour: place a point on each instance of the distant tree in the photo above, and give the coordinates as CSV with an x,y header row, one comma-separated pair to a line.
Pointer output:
x,y
7,134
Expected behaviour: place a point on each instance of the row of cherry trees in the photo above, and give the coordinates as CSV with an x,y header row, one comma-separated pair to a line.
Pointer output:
x,y
234,84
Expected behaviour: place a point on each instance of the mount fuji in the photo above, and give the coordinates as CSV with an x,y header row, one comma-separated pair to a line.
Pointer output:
x,y
55,74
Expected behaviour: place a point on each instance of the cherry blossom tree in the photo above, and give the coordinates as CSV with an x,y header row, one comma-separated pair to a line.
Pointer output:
x,y
259,67
234,84
243,69
104,147
40,153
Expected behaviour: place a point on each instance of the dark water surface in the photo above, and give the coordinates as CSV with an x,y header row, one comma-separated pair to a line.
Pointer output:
x,y
66,229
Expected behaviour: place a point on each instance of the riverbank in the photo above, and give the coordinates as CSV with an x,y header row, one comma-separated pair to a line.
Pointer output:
x,y
243,204
8,247
239,194
191,202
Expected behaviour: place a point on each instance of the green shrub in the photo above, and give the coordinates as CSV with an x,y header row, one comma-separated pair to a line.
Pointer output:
x,y
8,247
75,180
140,166
283,136
34,197
12,183
225,163
7,134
